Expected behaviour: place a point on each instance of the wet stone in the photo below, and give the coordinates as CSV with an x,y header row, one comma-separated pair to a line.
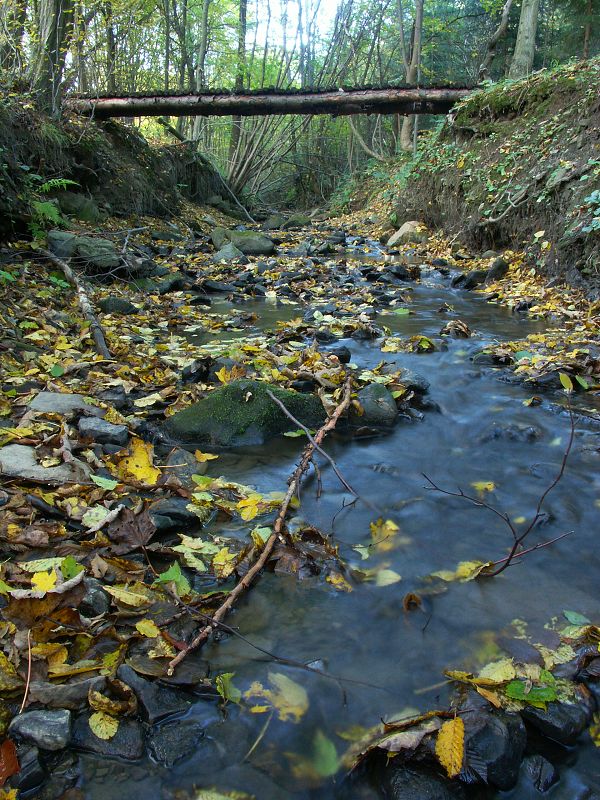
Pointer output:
x,y
66,695
539,772
498,741
127,743
65,404
95,601
342,352
48,730
98,430
561,722
32,772
156,702
378,405
174,741
405,783
117,305
170,513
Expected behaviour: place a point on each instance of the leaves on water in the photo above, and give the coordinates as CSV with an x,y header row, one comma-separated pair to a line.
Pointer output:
x,y
288,698
465,571
226,689
449,746
204,457
575,618
137,463
386,577
175,576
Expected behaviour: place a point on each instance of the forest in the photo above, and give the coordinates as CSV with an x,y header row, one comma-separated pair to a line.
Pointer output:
x,y
299,399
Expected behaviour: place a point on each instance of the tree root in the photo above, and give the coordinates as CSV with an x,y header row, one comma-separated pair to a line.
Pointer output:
x,y
277,534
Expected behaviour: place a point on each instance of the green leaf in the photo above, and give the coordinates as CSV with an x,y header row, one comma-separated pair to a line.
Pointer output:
x,y
104,483
566,382
402,311
70,568
57,371
176,576
325,760
4,587
582,382
575,618
226,688
521,354
537,696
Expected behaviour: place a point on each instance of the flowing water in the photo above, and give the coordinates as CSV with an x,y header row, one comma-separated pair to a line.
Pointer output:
x,y
392,660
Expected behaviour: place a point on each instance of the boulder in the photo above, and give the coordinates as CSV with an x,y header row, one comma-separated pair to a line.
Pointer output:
x,y
296,221
98,430
31,773
170,513
117,305
498,742
241,413
174,282
228,252
127,743
407,783
273,222
156,702
250,243
536,771
411,232
561,722
174,741
470,280
95,255
378,405
497,270
20,461
65,695
65,404
48,730
78,206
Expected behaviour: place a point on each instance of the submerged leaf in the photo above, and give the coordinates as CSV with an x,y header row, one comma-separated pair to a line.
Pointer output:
x,y
287,697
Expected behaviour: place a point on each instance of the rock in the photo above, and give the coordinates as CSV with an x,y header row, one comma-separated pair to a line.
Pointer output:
x,y
241,413
32,773
536,771
19,461
196,371
342,352
489,254
98,430
251,243
406,783
171,512
411,232
78,206
117,305
399,271
168,236
561,722
218,286
415,382
156,701
174,741
183,465
473,279
127,743
228,252
498,741
95,601
513,433
65,695
174,282
497,270
296,221
65,404
48,730
97,256
273,222
378,405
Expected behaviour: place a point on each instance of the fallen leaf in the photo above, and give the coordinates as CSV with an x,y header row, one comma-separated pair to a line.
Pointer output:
x,y
449,746
103,725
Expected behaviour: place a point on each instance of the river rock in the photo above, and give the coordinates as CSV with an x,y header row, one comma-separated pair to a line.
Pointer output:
x,y
407,783
98,430
273,222
78,206
378,405
561,722
95,601
497,270
65,695
174,741
170,513
242,413
96,256
414,382
473,279
20,461
342,352
48,730
65,404
156,701
498,741
31,773
412,232
168,236
296,221
251,243
174,282
117,305
228,252
127,743
538,772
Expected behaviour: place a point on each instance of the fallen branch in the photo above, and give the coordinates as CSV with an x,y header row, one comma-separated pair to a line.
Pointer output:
x,y
277,534
84,303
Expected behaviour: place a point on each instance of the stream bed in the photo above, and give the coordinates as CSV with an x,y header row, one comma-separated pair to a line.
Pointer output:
x,y
390,661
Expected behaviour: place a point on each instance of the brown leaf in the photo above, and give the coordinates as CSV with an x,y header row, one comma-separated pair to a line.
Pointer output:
x,y
26,607
9,763
130,531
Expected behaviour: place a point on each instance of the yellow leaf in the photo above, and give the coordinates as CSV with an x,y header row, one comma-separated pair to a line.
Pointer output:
x,y
44,581
104,726
386,577
337,580
138,464
8,794
288,698
130,597
483,486
224,563
499,671
202,457
383,533
449,746
148,628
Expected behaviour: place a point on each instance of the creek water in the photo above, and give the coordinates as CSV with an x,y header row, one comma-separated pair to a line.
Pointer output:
x,y
392,661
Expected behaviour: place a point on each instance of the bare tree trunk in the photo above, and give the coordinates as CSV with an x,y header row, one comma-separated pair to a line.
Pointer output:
x,y
522,60
55,23
111,49
236,123
498,34
406,134
201,64
12,28
587,31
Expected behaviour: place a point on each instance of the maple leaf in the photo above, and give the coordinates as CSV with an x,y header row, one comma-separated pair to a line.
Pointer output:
x,y
44,581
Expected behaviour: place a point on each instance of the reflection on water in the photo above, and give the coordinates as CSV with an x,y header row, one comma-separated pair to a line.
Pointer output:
x,y
395,659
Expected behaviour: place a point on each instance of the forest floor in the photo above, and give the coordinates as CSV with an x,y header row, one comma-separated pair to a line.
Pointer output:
x,y
121,537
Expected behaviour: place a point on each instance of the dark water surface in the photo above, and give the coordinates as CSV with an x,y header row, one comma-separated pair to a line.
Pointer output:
x,y
365,635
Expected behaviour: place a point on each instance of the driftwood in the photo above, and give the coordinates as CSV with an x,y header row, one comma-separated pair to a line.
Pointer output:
x,y
84,303
277,534
353,101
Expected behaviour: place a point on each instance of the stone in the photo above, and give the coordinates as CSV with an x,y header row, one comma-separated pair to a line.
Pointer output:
x,y
183,465
378,405
412,232
65,695
78,206
174,741
32,773
95,601
296,221
65,404
156,702
406,783
20,461
513,433
117,305
342,352
218,286
561,722
196,371
168,236
241,413
228,252
61,243
48,730
497,270
539,772
98,430
127,743
273,222
171,512
399,271
472,279
174,282
251,243
415,382
97,256
498,741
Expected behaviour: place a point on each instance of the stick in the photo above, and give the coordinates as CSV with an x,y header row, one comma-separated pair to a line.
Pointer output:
x,y
277,533
84,303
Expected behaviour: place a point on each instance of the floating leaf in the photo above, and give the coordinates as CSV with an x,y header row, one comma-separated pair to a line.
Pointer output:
x,y
103,725
325,758
449,746
386,577
224,563
226,688
483,486
575,618
203,457
465,571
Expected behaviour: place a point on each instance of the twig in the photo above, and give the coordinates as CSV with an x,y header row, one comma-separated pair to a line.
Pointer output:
x,y
278,531
84,303
259,738
25,696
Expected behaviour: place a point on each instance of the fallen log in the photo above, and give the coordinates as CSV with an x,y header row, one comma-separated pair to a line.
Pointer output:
x,y
338,103
276,535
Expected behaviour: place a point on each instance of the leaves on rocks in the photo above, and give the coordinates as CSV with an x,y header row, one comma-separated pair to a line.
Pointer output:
x,y
450,746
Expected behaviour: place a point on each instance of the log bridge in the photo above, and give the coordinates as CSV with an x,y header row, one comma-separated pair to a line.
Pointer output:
x,y
337,102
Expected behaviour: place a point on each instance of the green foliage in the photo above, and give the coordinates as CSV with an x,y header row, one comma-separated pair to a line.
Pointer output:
x,y
56,184
593,202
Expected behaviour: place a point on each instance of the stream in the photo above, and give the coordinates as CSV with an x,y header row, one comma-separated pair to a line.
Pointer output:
x,y
391,660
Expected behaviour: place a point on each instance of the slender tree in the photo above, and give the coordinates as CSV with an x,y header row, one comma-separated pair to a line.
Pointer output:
x,y
523,56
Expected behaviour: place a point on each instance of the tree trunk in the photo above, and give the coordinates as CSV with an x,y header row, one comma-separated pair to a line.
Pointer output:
x,y
201,64
522,60
498,34
111,50
412,74
587,31
236,122
55,23
12,28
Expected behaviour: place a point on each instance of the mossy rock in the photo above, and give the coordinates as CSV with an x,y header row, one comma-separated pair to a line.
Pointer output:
x,y
250,243
78,206
241,413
